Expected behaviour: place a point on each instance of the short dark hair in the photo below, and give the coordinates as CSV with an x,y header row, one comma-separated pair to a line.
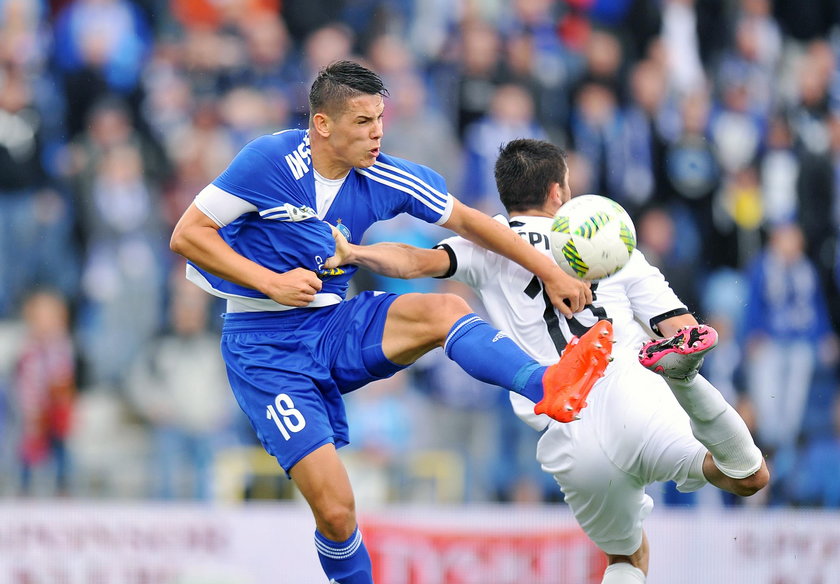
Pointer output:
x,y
525,171
340,81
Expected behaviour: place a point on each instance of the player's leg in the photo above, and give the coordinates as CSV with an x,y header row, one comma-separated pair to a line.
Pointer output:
x,y
714,422
298,415
418,323
322,480
608,502
630,569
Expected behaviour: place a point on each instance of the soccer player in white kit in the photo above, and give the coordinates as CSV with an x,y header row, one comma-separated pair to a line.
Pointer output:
x,y
634,432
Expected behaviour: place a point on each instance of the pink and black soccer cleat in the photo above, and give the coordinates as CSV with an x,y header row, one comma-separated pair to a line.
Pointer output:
x,y
680,356
567,383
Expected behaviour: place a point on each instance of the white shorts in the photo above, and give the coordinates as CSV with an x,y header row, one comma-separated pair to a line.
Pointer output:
x,y
633,433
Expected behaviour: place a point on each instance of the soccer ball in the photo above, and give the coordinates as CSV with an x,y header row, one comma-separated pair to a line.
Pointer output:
x,y
592,237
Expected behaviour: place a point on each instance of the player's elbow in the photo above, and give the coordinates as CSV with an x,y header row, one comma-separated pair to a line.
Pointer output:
x,y
179,242
176,241
754,483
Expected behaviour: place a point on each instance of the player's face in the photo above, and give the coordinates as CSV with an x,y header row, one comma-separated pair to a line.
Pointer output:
x,y
357,132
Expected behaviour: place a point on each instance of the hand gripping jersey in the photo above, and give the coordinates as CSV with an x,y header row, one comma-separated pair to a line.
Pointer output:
x,y
275,174
635,299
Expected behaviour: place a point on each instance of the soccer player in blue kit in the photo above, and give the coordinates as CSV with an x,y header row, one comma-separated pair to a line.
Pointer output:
x,y
259,236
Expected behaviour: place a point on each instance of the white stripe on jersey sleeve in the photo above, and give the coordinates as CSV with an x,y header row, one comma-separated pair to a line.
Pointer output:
x,y
411,189
382,167
221,206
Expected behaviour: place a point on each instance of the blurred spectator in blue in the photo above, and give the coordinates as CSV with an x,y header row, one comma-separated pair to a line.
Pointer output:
x,y
736,129
125,254
493,453
804,20
670,250
43,392
327,43
681,45
246,114
693,172
648,119
417,132
511,115
100,47
391,58
779,172
200,150
595,131
268,50
754,57
389,423
537,57
178,384
814,480
24,36
787,336
545,84
832,256
35,220
478,72
304,18
723,299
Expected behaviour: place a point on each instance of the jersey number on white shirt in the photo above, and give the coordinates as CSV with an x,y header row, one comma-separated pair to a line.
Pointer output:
x,y
552,320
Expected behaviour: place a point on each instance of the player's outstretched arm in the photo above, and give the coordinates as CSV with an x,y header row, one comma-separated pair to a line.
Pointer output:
x,y
395,260
568,294
196,237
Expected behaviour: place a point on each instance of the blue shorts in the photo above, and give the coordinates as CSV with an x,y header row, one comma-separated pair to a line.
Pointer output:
x,y
288,370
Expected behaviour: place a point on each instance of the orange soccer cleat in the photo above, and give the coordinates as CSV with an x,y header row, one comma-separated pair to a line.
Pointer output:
x,y
567,383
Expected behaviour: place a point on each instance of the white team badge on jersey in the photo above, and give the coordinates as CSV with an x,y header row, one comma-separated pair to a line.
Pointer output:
x,y
342,228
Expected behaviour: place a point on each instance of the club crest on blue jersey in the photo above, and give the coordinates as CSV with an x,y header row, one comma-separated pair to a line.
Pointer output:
x,y
342,228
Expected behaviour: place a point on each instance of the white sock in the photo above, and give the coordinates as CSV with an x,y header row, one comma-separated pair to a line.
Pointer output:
x,y
717,426
623,573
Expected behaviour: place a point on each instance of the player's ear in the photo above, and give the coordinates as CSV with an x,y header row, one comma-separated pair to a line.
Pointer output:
x,y
559,194
322,124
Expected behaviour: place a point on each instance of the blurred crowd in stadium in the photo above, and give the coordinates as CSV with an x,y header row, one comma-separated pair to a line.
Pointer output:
x,y
716,123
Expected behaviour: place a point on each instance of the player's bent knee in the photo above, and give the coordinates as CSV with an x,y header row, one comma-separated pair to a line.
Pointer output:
x,y
336,521
451,305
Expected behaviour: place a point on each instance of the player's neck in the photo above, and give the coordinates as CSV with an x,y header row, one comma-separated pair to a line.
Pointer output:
x,y
325,162
532,213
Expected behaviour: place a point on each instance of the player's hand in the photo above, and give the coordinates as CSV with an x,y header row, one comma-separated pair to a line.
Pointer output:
x,y
342,250
568,294
294,288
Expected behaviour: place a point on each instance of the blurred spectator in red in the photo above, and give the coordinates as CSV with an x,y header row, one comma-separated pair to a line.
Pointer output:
x,y
43,391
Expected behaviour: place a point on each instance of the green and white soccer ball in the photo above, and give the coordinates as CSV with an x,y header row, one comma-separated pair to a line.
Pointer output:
x,y
592,237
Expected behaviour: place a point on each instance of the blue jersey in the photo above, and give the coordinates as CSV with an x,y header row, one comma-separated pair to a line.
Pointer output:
x,y
275,174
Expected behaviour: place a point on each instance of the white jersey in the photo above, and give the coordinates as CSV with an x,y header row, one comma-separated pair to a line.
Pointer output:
x,y
633,432
635,299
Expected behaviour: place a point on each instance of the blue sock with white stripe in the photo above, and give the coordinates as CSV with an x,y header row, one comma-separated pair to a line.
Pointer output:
x,y
492,357
345,562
